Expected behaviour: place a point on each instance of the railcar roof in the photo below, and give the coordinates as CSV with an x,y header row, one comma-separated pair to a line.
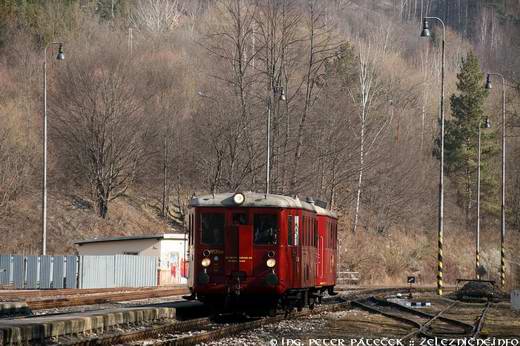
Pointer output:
x,y
258,200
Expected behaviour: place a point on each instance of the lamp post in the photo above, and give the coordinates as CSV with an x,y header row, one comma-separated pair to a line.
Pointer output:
x,y
426,33
60,56
486,125
503,184
278,93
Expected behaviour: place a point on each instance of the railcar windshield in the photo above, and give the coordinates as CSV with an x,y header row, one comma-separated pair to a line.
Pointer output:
x,y
266,229
213,228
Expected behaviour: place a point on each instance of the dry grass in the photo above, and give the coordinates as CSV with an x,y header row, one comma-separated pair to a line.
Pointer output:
x,y
389,258
71,219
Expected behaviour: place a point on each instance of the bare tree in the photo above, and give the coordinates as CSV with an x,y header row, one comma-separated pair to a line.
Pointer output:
x,y
99,122
229,43
322,46
14,167
278,43
156,16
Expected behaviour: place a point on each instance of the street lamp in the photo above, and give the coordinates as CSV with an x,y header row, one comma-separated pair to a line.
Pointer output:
x,y
503,185
59,56
427,33
280,94
486,125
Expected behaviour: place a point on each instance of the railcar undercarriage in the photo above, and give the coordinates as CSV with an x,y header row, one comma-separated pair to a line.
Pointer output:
x,y
255,304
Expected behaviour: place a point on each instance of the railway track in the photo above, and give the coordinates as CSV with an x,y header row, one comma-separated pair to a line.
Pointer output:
x,y
192,332
9,295
199,330
39,300
428,325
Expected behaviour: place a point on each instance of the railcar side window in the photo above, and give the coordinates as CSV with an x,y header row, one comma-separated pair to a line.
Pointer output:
x,y
190,238
266,229
315,232
304,230
296,230
290,230
212,225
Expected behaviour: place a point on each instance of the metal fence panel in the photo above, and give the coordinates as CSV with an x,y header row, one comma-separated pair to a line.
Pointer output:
x,y
94,271
57,271
515,275
153,266
45,271
19,271
31,280
136,271
97,271
118,271
71,272
110,269
5,270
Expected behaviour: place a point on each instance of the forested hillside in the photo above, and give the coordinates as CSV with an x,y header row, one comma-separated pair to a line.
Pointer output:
x,y
158,100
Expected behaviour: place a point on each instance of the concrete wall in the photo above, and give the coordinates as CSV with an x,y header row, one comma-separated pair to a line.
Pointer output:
x,y
143,247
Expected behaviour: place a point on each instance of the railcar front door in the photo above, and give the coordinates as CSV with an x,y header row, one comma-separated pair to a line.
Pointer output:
x,y
239,255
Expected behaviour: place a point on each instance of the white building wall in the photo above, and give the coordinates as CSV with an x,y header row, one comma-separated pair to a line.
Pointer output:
x,y
141,247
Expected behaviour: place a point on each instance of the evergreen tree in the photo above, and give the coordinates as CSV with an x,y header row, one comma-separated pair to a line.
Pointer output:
x,y
461,141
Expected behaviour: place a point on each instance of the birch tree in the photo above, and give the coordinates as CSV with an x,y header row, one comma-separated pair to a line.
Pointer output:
x,y
156,16
371,52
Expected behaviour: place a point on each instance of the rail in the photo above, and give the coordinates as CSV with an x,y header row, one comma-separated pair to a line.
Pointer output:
x,y
403,314
203,330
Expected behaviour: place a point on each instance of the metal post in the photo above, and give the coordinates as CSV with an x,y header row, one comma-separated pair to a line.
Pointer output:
x,y
44,182
44,178
503,183
440,283
477,244
503,207
268,168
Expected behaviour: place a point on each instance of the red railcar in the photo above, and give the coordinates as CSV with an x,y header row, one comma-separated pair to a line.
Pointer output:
x,y
256,249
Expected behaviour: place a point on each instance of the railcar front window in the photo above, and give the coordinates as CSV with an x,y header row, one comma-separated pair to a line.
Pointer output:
x,y
213,229
266,229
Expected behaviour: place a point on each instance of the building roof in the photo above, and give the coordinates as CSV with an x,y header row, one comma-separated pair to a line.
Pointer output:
x,y
137,237
258,200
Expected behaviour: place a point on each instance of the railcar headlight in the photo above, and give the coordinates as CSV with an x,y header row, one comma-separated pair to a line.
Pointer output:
x,y
205,262
271,262
239,198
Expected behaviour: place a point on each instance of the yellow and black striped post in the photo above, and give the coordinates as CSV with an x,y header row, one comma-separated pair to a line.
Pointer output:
x,y
440,283
502,266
